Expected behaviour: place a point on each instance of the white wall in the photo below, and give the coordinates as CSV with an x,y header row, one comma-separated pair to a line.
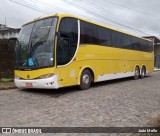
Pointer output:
x,y
8,35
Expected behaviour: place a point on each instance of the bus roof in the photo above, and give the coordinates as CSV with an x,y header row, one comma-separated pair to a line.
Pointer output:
x,y
61,15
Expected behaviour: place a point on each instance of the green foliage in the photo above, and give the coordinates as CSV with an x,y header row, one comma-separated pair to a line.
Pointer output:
x,y
6,80
8,73
6,76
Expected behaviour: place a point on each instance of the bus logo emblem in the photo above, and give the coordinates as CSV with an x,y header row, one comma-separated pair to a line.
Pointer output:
x,y
28,76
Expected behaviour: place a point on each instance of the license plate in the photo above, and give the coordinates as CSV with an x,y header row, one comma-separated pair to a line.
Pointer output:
x,y
29,85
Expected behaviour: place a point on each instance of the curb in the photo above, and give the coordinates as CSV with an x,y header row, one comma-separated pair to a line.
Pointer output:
x,y
157,70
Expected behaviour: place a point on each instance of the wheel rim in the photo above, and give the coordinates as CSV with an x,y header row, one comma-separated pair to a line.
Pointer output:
x,y
137,72
85,79
143,72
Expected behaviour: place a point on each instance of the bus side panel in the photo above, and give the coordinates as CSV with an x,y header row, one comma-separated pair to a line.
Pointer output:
x,y
106,63
114,62
69,75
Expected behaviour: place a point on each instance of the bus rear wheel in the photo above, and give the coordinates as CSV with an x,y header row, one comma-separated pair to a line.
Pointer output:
x,y
136,73
86,79
143,72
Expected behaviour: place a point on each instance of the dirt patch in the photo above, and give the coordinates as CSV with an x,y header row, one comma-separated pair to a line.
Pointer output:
x,y
7,85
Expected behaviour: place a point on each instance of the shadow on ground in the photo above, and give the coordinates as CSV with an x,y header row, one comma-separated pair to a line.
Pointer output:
x,y
63,91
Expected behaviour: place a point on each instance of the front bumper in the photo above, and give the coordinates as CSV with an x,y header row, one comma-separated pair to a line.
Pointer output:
x,y
49,83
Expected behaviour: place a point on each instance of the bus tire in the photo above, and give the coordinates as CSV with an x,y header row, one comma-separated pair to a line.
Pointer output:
x,y
136,73
143,72
85,80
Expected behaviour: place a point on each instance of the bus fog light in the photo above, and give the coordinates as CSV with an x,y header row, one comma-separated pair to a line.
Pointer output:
x,y
46,76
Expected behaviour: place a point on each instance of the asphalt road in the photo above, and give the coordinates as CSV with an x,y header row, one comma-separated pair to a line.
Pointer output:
x,y
118,103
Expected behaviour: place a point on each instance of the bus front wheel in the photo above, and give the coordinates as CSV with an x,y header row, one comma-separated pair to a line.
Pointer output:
x,y
85,80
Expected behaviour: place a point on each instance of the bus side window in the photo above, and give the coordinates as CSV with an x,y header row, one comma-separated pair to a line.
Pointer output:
x,y
67,40
127,42
86,33
117,39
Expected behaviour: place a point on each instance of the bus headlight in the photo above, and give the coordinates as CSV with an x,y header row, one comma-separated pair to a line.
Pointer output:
x,y
46,76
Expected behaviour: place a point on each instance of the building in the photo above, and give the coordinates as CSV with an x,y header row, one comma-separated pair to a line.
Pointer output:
x,y
156,49
7,54
7,32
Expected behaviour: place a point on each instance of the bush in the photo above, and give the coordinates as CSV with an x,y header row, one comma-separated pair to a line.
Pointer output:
x,y
8,74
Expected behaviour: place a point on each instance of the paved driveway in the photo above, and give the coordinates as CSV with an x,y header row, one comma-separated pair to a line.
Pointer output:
x,y
124,102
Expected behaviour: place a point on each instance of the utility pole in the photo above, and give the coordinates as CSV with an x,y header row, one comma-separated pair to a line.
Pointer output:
x,y
5,22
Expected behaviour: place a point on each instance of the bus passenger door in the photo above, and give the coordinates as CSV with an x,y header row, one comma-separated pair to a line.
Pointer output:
x,y
66,48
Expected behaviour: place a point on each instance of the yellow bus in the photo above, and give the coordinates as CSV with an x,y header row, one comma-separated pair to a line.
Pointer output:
x,y
65,50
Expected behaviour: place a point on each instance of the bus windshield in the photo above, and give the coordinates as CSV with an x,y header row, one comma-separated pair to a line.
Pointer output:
x,y
35,45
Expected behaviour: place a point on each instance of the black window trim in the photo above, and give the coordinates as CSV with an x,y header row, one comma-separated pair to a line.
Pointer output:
x,y
78,42
148,51
54,43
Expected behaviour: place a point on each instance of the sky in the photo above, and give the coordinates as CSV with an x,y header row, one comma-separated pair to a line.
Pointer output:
x,y
140,17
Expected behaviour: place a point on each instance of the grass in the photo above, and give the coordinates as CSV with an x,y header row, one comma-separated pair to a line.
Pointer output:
x,y
6,84
6,80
